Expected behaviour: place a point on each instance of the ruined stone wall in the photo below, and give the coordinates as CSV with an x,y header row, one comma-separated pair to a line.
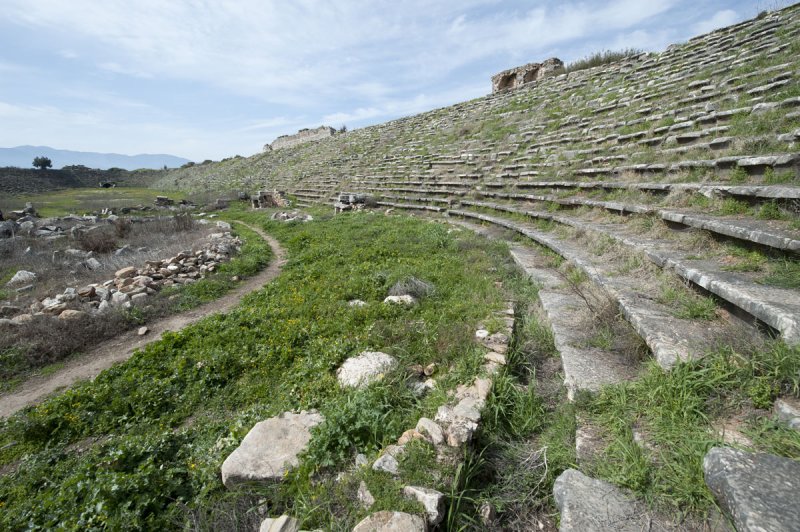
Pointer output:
x,y
304,135
516,77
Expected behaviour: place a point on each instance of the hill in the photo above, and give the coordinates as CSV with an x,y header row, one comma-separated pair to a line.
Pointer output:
x,y
22,156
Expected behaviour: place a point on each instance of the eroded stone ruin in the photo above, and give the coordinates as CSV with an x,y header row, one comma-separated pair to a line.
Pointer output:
x,y
264,199
302,136
515,78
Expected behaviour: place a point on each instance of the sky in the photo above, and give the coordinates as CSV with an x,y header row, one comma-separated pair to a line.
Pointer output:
x,y
208,79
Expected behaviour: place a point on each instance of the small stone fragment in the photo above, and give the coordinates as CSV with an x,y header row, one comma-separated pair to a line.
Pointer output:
x,y
367,367
125,273
431,500
142,331
386,521
22,277
283,523
387,462
400,300
407,436
364,496
430,430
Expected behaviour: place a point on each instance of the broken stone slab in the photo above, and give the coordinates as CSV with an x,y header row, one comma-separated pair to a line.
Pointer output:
x,y
283,523
270,449
590,505
788,411
367,367
431,500
758,492
430,430
125,273
388,461
387,521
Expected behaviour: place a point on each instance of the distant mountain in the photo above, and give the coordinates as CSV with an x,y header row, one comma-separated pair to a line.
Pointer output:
x,y
22,157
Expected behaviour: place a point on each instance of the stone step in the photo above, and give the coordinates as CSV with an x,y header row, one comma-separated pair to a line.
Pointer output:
x,y
669,339
758,492
585,368
592,505
750,230
777,307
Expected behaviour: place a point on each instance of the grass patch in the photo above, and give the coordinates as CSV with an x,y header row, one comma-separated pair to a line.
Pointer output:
x,y
176,409
82,200
677,410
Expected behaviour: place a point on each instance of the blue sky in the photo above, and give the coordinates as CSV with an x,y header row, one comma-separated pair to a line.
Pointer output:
x,y
207,79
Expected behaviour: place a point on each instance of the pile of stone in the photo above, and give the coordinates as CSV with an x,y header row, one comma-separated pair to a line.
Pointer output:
x,y
291,216
131,286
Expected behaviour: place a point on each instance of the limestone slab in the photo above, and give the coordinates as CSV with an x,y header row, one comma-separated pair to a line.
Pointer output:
x,y
270,449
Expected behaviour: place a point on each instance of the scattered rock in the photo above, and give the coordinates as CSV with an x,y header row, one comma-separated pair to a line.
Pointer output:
x,y
430,430
270,449
87,292
788,411
22,277
356,303
400,300
407,436
432,501
430,369
387,462
391,522
757,491
495,358
361,460
125,273
142,331
72,315
92,264
364,496
283,523
361,370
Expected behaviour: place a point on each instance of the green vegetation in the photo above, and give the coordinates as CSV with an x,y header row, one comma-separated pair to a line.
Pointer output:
x,y
42,349
42,163
140,447
82,200
601,58
678,412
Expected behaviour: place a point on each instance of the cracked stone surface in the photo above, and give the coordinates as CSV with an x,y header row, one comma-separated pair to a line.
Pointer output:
x,y
760,492
270,449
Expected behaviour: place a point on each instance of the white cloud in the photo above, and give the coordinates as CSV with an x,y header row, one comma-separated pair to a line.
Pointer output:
x,y
720,19
232,74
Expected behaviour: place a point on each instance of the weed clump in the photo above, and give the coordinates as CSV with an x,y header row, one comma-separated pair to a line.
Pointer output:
x,y
601,58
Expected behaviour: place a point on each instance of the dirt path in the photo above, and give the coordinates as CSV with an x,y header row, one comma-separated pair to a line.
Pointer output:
x,y
120,348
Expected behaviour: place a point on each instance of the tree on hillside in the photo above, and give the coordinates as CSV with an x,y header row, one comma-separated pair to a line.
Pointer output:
x,y
42,162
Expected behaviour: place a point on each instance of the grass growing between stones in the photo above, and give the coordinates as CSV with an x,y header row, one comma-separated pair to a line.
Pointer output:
x,y
677,413
527,440
170,415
